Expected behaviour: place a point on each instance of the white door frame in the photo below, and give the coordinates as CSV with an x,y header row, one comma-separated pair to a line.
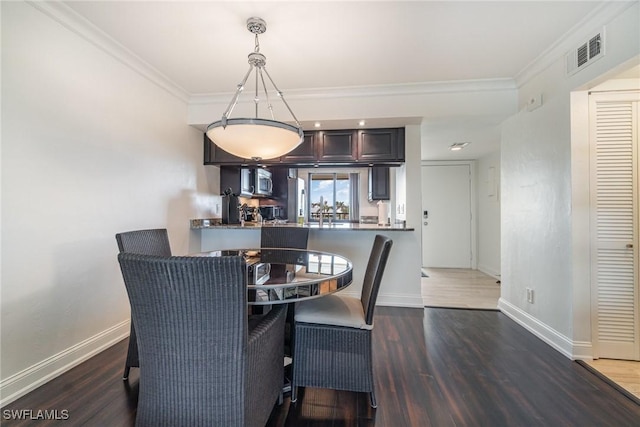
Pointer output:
x,y
473,202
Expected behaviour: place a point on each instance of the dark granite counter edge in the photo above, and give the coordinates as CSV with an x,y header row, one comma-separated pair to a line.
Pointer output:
x,y
201,224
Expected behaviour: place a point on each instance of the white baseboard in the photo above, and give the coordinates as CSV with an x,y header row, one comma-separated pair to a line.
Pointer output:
x,y
582,350
571,349
23,382
400,300
393,300
489,271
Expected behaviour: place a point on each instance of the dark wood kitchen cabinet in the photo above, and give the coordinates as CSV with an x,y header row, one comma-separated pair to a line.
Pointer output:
x,y
237,179
303,153
376,145
364,147
337,146
214,155
379,183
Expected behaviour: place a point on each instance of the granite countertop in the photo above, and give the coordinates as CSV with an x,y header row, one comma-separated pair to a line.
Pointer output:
x,y
215,223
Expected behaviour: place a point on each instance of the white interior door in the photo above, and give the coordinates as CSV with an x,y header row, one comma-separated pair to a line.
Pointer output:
x,y
446,219
614,223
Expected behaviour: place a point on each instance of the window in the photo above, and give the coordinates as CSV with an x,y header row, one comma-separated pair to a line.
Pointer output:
x,y
331,194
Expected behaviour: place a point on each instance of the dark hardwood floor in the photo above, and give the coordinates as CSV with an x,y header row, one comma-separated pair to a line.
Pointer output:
x,y
477,368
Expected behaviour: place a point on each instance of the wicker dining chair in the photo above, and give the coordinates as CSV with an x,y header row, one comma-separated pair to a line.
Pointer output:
x,y
332,334
284,237
201,365
143,242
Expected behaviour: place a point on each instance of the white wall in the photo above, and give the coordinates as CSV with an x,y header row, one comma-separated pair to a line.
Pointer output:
x,y
89,148
488,198
539,245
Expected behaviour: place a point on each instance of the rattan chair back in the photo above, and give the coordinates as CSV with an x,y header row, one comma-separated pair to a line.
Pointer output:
x,y
284,237
197,361
143,242
373,275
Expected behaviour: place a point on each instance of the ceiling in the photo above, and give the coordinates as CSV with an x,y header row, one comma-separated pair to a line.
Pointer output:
x,y
202,46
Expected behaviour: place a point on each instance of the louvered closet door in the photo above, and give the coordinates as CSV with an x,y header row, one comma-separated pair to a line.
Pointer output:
x,y
614,224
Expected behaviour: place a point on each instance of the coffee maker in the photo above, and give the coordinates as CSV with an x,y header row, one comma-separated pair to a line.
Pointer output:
x,y
249,212
230,207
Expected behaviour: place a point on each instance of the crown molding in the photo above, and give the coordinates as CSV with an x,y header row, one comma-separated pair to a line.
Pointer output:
x,y
404,89
594,21
76,23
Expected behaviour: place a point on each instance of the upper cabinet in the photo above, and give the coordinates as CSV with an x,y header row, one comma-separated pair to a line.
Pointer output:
x,y
237,179
303,153
380,144
337,146
379,183
328,148
214,155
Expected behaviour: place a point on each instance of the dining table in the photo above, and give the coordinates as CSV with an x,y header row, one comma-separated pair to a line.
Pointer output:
x,y
286,276
282,276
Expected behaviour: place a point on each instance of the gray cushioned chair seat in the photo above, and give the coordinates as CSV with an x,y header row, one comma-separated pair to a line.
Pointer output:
x,y
333,334
337,310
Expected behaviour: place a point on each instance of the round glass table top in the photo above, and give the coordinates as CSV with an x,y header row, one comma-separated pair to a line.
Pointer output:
x,y
277,276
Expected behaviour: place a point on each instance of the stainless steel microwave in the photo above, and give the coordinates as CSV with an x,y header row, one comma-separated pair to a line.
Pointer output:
x,y
262,183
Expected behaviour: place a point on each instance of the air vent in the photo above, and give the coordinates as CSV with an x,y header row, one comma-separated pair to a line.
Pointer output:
x,y
583,55
586,53
594,46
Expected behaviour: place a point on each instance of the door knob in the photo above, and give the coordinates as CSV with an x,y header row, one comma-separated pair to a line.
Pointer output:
x,y
629,245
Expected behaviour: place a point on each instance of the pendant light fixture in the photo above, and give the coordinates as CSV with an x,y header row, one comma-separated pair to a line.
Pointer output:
x,y
256,138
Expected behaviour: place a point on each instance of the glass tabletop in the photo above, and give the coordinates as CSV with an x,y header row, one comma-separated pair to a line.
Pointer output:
x,y
277,276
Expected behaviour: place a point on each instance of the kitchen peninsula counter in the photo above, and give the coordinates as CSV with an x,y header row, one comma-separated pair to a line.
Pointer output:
x,y
198,224
401,284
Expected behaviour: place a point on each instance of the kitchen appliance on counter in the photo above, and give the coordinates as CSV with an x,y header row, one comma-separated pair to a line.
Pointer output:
x,y
262,183
250,213
230,208
271,212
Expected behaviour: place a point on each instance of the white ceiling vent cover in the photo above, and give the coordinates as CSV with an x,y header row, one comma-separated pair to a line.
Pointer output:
x,y
585,54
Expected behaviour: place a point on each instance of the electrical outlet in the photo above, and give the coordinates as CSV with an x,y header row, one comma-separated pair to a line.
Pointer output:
x,y
530,295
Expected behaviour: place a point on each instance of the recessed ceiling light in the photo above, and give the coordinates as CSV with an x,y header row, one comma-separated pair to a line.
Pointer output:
x,y
362,123
458,146
316,124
